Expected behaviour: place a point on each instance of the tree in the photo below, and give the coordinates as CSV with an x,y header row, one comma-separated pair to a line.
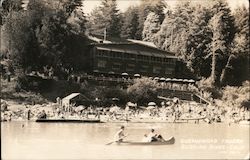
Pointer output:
x,y
45,35
164,34
238,67
147,6
198,41
174,31
57,33
130,23
75,16
151,27
105,18
223,30
17,34
11,5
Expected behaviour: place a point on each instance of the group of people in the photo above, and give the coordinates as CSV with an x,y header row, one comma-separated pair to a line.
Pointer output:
x,y
150,137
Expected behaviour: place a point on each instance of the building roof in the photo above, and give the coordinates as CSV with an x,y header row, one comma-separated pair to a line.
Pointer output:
x,y
131,46
135,48
150,44
72,95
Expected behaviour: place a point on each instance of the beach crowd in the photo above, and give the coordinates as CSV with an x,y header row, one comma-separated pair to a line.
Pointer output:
x,y
167,111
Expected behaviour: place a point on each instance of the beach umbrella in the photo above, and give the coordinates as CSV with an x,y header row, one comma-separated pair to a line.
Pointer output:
x,y
191,81
99,109
137,75
150,107
174,79
111,72
115,99
162,79
168,79
124,74
179,80
156,78
168,103
151,104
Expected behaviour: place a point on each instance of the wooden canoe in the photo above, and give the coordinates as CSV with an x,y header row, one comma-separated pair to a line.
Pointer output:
x,y
170,141
69,120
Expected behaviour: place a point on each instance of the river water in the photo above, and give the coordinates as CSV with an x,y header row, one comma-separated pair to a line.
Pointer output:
x,y
31,140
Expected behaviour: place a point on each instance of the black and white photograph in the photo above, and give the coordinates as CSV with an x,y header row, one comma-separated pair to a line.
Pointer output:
x,y
124,79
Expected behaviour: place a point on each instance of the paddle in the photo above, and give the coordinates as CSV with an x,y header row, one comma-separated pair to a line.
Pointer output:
x,y
117,140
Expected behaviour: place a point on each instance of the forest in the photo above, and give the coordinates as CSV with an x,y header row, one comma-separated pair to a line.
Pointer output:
x,y
211,38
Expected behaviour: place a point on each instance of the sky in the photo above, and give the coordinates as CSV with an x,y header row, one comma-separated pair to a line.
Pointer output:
x,y
124,4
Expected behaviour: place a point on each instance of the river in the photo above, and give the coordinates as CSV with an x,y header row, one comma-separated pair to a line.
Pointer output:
x,y
31,140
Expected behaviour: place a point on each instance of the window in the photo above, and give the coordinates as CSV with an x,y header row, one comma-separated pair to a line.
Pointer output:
x,y
152,59
169,70
126,56
101,63
144,68
131,56
116,66
130,67
156,69
140,57
158,59
145,58
118,55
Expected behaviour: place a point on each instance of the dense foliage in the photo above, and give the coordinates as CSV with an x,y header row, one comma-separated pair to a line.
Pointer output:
x,y
143,90
48,33
105,19
130,24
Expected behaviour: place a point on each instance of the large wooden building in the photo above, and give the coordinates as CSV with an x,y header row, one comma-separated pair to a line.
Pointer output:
x,y
131,58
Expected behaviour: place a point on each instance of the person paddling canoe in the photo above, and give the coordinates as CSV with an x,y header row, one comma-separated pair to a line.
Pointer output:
x,y
153,137
120,135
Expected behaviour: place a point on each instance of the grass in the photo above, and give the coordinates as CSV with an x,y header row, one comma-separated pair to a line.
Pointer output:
x,y
48,92
8,92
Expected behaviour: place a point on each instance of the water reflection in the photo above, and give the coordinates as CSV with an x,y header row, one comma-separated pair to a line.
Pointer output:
x,y
87,141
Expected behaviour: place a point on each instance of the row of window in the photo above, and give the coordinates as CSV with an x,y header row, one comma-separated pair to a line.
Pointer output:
x,y
132,67
112,54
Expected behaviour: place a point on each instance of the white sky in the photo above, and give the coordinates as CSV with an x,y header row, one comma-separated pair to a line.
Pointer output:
x,y
124,4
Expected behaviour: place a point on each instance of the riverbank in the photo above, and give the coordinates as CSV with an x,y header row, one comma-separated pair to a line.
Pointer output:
x,y
183,112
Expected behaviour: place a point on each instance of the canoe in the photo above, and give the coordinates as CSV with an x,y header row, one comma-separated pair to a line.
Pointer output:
x,y
170,141
69,120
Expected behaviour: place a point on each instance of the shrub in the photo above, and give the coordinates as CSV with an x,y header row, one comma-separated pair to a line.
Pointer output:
x,y
206,86
22,83
239,96
143,91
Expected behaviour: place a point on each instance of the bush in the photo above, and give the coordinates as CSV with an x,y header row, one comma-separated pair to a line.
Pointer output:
x,y
206,86
239,96
107,93
22,83
143,91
